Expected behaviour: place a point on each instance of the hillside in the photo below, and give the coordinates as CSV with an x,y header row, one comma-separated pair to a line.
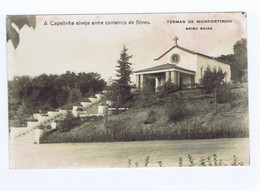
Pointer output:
x,y
152,122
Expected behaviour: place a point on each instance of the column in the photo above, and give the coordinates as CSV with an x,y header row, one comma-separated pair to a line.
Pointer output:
x,y
175,78
167,76
138,81
172,78
157,84
142,81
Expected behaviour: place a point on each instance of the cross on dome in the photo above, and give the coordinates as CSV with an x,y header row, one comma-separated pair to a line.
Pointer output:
x,y
175,40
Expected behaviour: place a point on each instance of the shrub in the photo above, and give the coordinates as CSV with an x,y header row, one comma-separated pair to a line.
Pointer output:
x,y
167,88
212,78
175,109
151,117
69,122
224,94
145,97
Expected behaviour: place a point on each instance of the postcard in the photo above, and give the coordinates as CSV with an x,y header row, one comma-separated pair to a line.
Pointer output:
x,y
128,90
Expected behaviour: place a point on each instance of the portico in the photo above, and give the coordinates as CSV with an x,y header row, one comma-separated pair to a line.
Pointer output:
x,y
179,66
164,73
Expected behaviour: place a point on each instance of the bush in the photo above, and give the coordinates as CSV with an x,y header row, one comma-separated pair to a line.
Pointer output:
x,y
151,117
224,94
175,109
69,122
146,97
167,88
212,78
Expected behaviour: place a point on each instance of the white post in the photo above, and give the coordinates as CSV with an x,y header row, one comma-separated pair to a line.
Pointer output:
x,y
141,80
167,76
37,135
157,84
138,81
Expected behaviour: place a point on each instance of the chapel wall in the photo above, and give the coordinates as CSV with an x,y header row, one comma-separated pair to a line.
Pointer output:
x,y
204,62
187,60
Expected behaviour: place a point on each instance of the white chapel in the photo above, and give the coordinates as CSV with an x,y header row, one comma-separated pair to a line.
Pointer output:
x,y
181,67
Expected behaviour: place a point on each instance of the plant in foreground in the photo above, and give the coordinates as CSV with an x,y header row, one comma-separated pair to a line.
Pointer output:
x,y
190,160
209,161
160,163
147,160
129,162
215,160
180,162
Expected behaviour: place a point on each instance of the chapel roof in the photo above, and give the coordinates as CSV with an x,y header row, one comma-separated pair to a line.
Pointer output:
x,y
163,67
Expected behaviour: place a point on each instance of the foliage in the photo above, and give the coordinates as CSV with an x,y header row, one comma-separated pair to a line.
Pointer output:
x,y
120,90
74,96
175,108
46,92
69,122
212,78
151,117
240,65
20,116
146,97
19,21
167,88
238,60
224,94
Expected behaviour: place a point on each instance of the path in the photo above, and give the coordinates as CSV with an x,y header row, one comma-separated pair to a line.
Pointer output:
x,y
91,155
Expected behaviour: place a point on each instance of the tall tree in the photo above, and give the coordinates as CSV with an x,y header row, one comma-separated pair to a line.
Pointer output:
x,y
239,68
238,60
121,88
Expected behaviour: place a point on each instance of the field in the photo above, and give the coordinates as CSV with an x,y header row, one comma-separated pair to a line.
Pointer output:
x,y
117,154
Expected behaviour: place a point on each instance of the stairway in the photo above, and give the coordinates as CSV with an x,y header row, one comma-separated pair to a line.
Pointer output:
x,y
25,138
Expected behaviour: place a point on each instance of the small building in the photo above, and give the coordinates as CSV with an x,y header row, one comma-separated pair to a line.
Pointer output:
x,y
180,66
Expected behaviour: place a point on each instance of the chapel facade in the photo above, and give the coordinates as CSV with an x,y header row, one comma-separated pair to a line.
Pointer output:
x,y
180,66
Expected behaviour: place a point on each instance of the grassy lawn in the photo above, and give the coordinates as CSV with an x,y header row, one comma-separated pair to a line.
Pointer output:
x,y
201,121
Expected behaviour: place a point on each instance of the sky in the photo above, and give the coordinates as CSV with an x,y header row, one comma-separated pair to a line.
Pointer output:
x,y
53,49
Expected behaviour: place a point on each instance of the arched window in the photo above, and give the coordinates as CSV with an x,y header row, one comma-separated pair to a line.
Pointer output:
x,y
201,72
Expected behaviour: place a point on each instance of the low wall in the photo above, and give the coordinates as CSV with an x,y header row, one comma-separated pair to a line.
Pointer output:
x,y
98,95
36,115
32,124
17,131
86,104
102,109
37,135
53,113
94,100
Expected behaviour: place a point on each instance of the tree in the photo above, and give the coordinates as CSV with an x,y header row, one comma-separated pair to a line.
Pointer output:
x,y
239,68
211,80
74,96
11,33
120,90
21,116
238,60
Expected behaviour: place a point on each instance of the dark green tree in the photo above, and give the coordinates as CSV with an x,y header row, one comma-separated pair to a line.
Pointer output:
x,y
120,90
75,95
238,60
212,78
21,115
239,68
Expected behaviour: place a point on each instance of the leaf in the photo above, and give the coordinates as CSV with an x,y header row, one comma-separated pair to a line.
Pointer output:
x,y
13,35
19,21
